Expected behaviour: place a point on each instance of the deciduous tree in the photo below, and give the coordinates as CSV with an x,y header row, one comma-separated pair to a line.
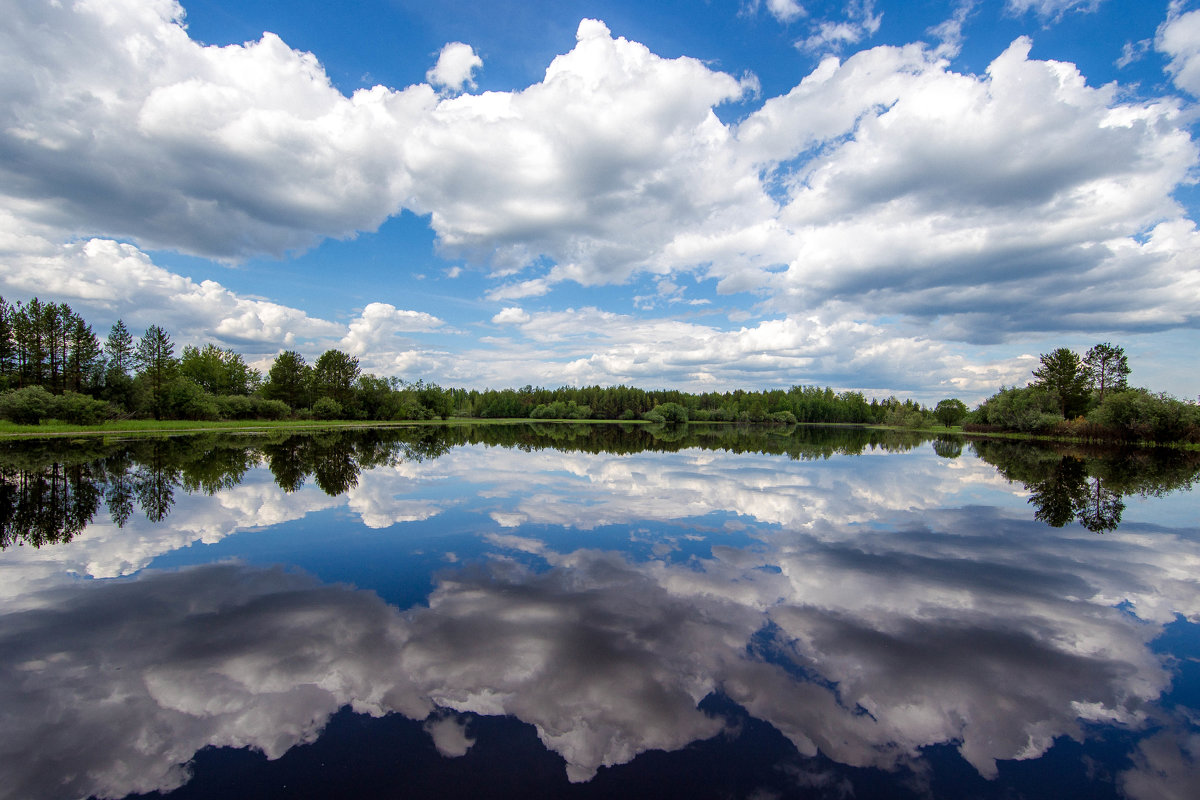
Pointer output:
x,y
289,380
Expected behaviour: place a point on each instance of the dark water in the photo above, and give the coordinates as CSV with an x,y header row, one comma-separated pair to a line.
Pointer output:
x,y
562,611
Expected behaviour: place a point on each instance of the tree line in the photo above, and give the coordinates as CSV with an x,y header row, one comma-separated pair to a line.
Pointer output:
x,y
53,365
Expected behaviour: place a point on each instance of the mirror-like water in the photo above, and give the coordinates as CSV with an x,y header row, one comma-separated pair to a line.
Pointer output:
x,y
597,611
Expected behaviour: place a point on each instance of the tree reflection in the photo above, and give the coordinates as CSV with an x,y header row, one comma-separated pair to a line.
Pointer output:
x,y
1060,496
948,446
48,505
51,489
1088,485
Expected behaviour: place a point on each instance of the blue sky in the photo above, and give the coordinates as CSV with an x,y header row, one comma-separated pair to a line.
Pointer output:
x,y
904,198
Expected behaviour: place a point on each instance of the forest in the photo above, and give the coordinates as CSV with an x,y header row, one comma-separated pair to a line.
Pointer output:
x,y
54,366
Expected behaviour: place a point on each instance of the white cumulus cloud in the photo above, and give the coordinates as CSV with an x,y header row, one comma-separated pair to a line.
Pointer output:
x,y
455,67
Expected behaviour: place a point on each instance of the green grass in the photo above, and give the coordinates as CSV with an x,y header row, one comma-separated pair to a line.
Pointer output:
x,y
150,426
136,427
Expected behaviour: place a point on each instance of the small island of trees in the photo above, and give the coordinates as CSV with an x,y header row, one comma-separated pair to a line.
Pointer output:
x,y
54,366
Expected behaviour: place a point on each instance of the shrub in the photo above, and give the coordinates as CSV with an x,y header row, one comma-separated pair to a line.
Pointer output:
x,y
904,416
186,399
234,406
1030,409
1140,414
410,408
670,413
28,406
270,409
79,409
327,408
560,410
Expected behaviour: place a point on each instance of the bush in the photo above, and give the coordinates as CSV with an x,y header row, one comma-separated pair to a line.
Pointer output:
x,y
327,408
234,406
28,406
905,416
1033,408
186,399
1140,414
670,413
560,410
271,409
79,409
411,408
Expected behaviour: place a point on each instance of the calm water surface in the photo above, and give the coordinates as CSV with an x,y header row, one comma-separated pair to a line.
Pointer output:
x,y
561,611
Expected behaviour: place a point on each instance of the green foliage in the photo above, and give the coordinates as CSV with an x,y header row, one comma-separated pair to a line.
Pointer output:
x,y
79,409
1064,374
950,411
118,350
270,409
906,415
1106,368
289,380
28,406
333,377
1030,409
669,413
156,365
1141,415
218,371
183,398
327,408
560,410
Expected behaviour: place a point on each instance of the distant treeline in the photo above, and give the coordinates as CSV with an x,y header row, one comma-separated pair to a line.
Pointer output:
x,y
54,366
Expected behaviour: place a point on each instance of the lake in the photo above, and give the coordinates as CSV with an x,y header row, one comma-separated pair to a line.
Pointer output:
x,y
597,611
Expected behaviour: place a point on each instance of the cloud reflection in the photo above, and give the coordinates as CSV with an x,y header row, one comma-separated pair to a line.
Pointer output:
x,y
866,611
865,654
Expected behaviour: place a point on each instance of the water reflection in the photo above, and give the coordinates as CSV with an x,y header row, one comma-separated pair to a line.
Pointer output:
x,y
1088,484
51,490
868,608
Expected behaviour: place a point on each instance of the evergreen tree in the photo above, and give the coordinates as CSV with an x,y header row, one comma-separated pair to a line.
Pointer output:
x,y
1063,373
156,366
8,362
85,356
118,352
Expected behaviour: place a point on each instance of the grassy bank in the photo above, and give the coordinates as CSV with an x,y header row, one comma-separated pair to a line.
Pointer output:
x,y
150,427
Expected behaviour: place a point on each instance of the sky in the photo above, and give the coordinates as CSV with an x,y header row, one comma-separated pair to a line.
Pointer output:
x,y
911,198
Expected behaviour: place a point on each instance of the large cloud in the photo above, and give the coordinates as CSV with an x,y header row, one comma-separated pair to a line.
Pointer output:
x,y
1179,39
1018,197
592,167
116,123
